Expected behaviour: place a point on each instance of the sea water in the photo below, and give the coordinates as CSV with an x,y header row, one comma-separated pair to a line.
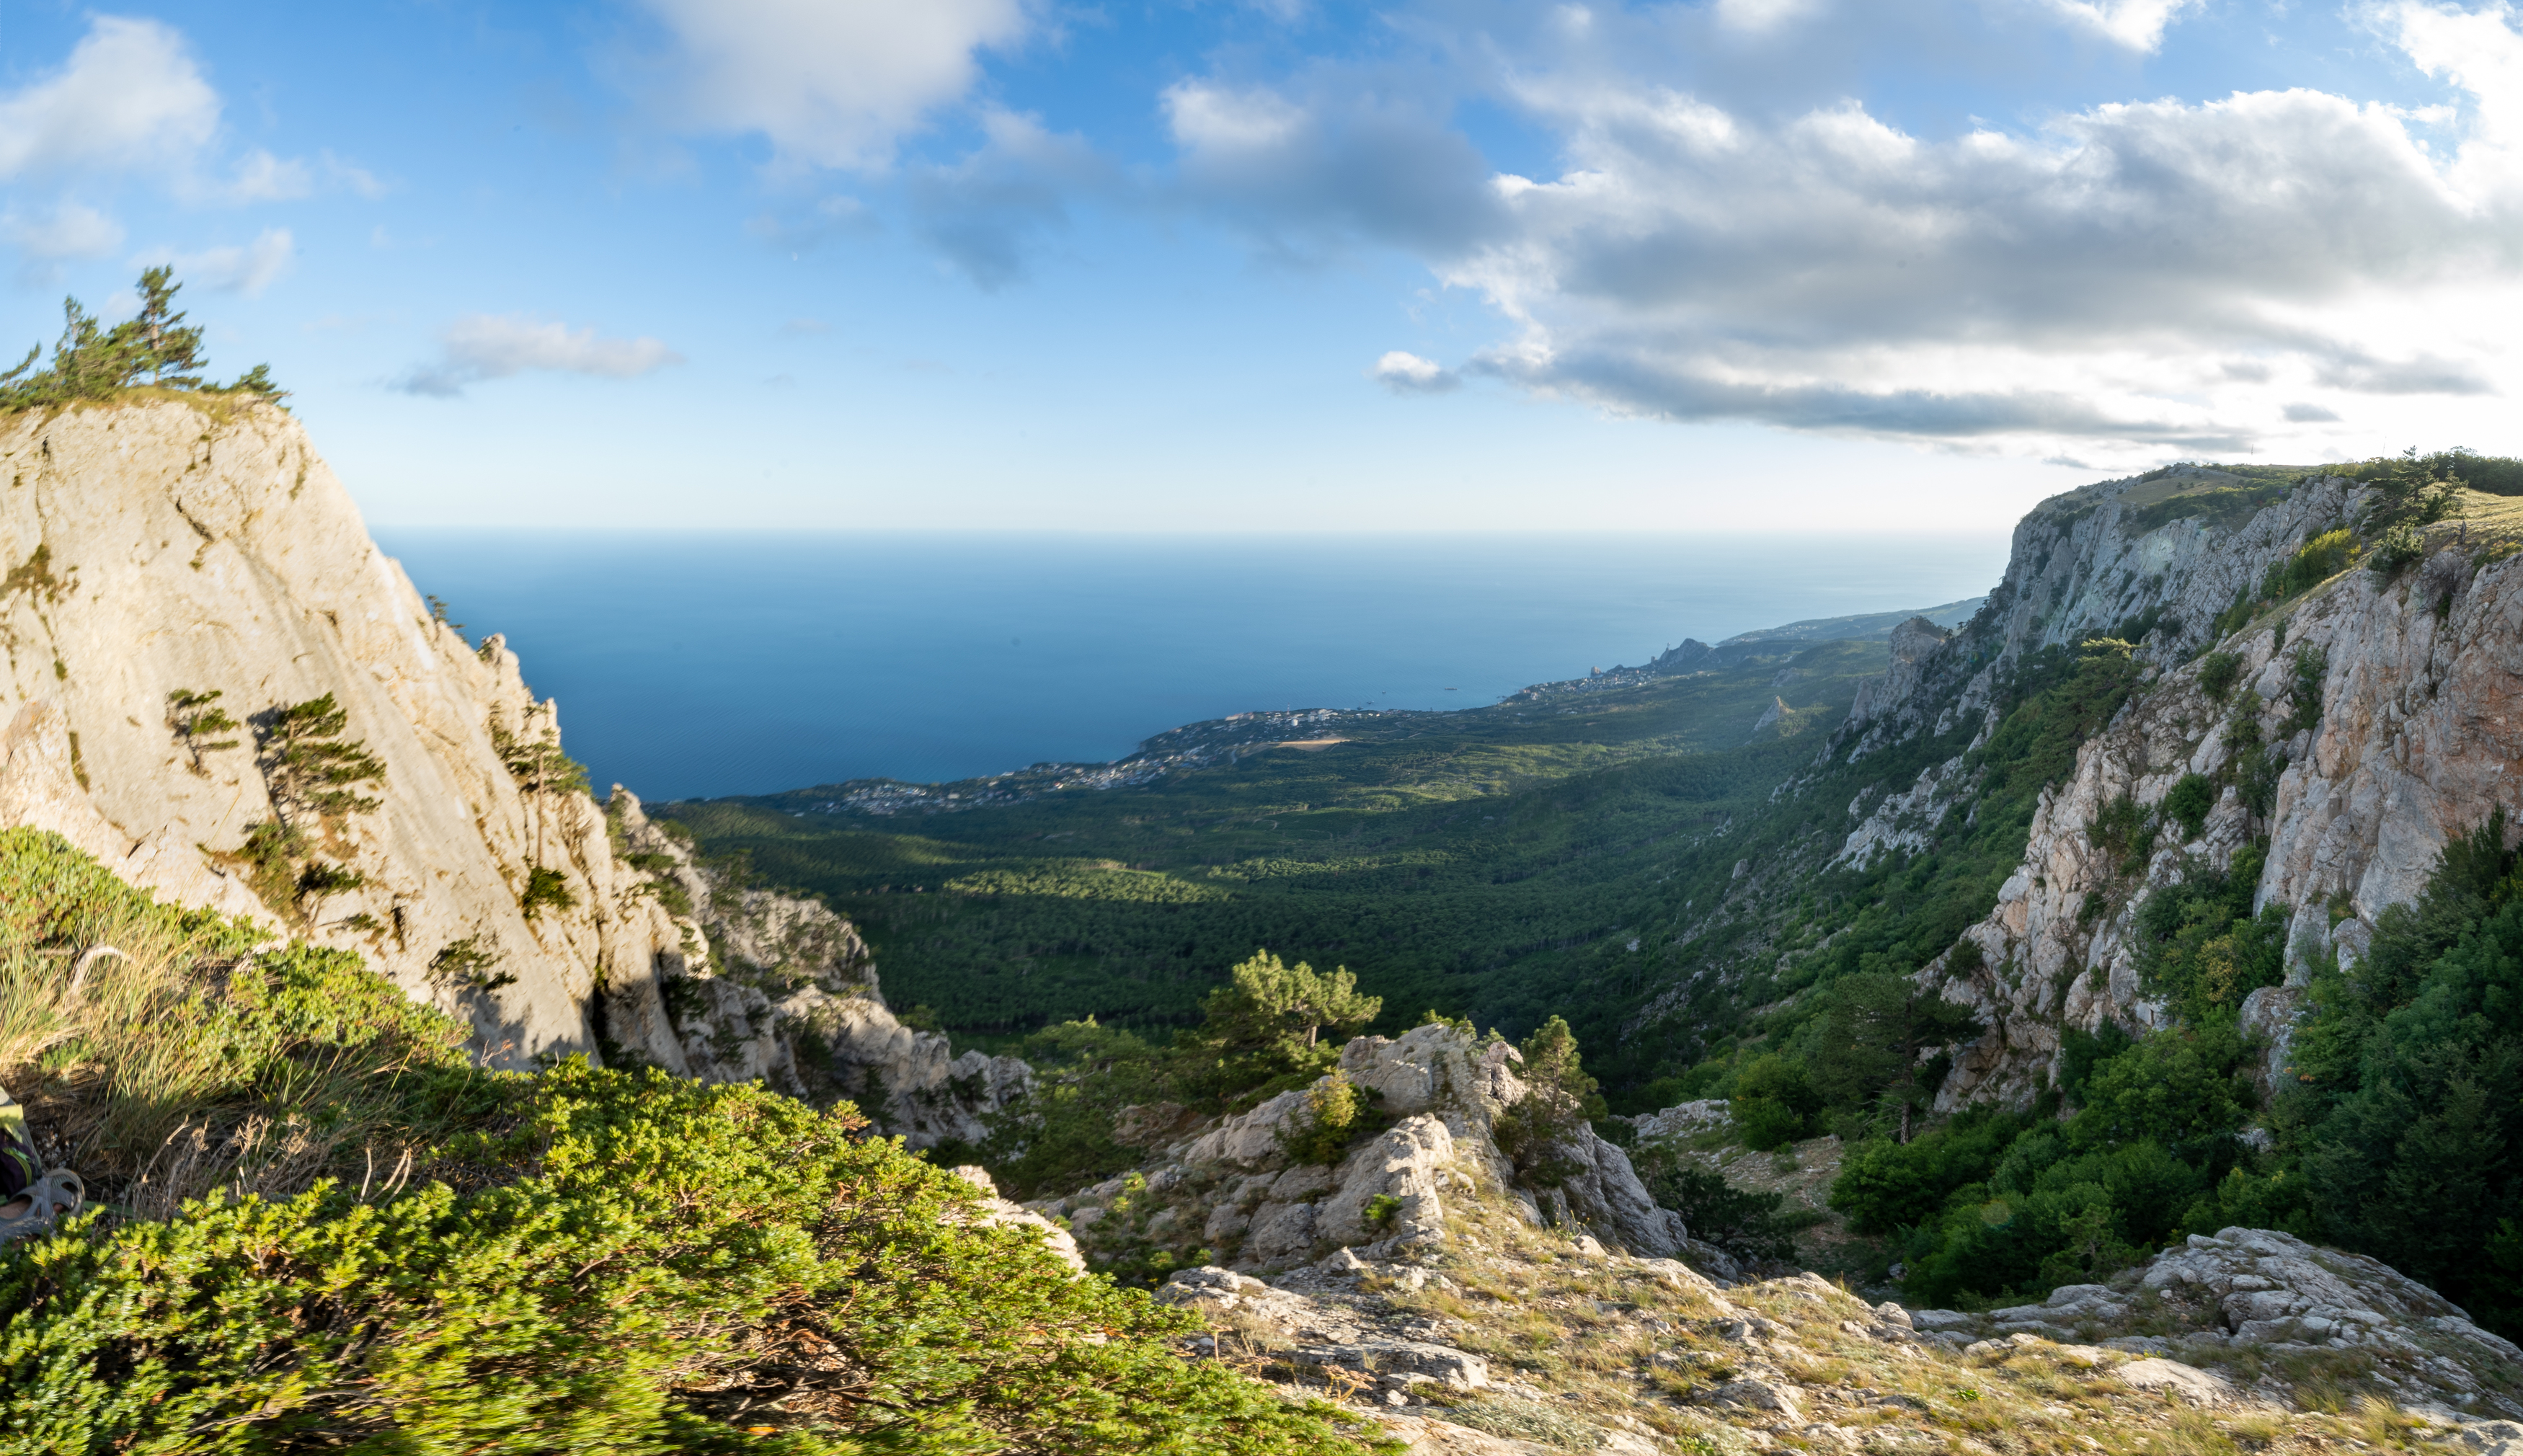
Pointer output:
x,y
690,665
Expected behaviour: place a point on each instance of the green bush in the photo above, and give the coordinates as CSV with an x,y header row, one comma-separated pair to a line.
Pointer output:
x,y
653,1264
2124,831
2217,671
442,1259
544,888
1885,1186
2315,562
1774,1103
1559,1098
1332,1112
2188,802
2400,548
154,348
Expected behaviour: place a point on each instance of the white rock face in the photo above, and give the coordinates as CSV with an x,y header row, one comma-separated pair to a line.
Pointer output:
x,y
162,547
2165,1377
167,547
1000,1214
2418,735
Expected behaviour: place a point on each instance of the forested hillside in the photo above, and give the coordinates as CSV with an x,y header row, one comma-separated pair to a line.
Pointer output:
x,y
1486,863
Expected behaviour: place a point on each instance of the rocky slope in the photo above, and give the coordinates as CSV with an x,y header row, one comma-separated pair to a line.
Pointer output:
x,y
1478,1326
202,546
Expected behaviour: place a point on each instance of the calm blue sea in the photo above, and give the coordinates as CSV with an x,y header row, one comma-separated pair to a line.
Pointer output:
x,y
692,664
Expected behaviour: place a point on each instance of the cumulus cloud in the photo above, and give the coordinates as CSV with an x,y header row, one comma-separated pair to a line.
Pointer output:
x,y
1406,373
1306,173
247,269
484,347
2093,281
829,82
2113,284
129,97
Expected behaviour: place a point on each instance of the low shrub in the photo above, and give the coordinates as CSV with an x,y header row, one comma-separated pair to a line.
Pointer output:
x,y
2188,802
655,1265
2217,671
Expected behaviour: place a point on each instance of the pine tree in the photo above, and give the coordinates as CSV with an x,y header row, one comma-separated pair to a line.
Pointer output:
x,y
195,718
155,347
310,770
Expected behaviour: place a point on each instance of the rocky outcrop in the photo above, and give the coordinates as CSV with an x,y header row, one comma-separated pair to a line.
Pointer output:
x,y
1234,1190
2205,1301
1913,643
775,987
153,548
998,1212
2092,562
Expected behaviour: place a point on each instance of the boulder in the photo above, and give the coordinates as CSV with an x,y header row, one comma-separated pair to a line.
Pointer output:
x,y
998,1212
1447,1366
2165,1377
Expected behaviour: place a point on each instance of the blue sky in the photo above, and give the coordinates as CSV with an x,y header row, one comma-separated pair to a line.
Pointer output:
x,y
1892,264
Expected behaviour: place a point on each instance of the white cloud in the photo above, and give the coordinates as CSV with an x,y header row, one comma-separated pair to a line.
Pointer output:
x,y
1407,373
484,347
1761,16
986,212
247,269
353,176
1209,119
260,177
70,230
1305,173
2091,284
129,97
829,82
2267,272
2138,25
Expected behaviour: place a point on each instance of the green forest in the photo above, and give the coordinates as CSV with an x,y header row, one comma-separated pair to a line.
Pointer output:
x,y
1494,864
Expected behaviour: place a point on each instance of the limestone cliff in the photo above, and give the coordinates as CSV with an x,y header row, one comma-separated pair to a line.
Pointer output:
x,y
195,548
181,573
2413,688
